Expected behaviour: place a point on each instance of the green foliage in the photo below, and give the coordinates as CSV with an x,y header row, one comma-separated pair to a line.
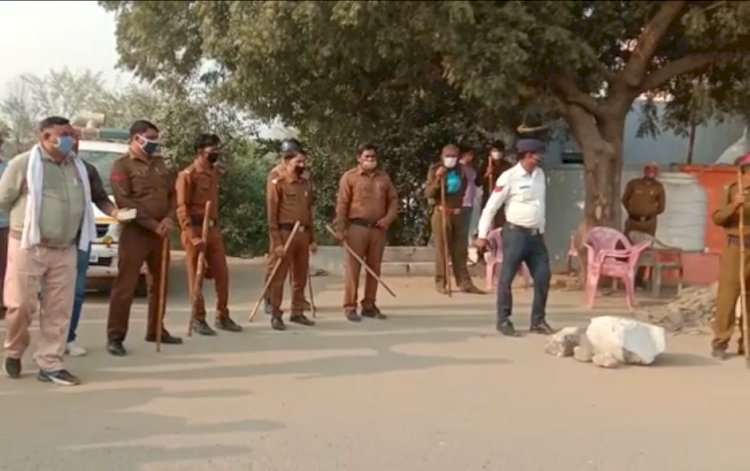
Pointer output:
x,y
180,116
412,76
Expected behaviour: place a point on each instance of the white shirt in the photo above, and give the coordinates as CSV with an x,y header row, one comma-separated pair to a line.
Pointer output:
x,y
523,195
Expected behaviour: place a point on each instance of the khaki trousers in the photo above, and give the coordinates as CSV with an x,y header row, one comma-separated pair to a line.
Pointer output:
x,y
216,260
728,294
27,271
297,260
370,245
457,250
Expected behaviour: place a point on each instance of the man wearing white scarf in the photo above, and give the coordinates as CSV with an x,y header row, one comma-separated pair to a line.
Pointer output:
x,y
46,193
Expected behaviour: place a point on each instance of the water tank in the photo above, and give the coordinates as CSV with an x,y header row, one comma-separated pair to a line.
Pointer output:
x,y
683,222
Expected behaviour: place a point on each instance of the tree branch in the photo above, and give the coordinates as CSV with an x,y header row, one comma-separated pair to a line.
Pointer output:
x,y
689,63
570,93
649,40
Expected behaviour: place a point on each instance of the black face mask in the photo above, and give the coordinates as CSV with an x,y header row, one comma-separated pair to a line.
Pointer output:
x,y
213,157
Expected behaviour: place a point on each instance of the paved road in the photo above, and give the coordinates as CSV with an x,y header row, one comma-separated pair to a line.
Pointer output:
x,y
433,389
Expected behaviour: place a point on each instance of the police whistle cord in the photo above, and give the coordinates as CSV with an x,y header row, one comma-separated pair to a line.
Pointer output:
x,y
367,268
444,248
162,305
197,288
743,288
273,272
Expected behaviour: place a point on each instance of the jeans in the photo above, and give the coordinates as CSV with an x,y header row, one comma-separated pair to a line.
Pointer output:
x,y
520,245
80,293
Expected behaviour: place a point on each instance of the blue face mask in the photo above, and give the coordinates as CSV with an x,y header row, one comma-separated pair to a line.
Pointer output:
x,y
64,144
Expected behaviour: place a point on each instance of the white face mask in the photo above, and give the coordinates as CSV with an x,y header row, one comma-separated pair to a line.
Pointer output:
x,y
450,162
496,155
369,164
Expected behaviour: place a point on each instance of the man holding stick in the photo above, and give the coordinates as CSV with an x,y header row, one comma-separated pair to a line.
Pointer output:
x,y
140,180
366,205
289,200
195,186
274,174
446,184
728,217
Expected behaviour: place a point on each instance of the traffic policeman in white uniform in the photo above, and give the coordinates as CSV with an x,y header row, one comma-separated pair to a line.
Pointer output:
x,y
522,190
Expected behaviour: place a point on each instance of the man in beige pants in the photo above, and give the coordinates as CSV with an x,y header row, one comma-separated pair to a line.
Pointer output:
x,y
47,196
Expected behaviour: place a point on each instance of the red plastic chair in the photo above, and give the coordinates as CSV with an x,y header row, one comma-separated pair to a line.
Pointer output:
x,y
610,253
494,259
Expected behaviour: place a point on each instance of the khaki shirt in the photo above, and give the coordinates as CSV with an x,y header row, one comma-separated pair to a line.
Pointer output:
x,y
366,195
288,199
644,198
432,191
146,185
196,185
63,199
728,217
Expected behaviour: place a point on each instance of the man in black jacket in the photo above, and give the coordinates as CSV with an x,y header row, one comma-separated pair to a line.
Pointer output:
x,y
101,200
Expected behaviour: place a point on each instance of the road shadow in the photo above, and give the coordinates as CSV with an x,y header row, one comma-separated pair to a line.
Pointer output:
x,y
672,360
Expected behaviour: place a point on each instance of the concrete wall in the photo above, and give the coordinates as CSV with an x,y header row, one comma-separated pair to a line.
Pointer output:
x,y
667,148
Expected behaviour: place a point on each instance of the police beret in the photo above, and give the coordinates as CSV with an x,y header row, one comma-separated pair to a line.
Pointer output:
x,y
743,160
290,147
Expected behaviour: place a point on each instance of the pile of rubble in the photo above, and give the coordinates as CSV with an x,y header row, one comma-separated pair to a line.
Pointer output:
x,y
691,313
609,342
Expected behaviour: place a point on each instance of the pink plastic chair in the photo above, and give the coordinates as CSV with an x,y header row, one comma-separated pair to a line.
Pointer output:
x,y
494,258
610,253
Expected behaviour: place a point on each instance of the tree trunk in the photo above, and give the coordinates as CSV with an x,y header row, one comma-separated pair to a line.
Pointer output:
x,y
602,146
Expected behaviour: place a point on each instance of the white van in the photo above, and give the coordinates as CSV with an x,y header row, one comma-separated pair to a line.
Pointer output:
x,y
103,261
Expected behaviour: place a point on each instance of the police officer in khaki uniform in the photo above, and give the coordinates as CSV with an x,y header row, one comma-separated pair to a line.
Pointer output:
x,y
644,199
196,185
451,176
275,172
289,199
366,205
140,180
727,216
495,166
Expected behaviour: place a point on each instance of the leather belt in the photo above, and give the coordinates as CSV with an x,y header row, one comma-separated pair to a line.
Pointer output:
x,y
196,220
363,223
528,230
43,242
288,226
449,210
641,218
734,240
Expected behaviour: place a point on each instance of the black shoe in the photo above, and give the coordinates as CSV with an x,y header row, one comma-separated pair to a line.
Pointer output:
x,y
352,316
60,378
506,328
200,327
166,338
373,313
12,367
226,323
277,323
471,289
301,320
719,353
115,348
542,328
